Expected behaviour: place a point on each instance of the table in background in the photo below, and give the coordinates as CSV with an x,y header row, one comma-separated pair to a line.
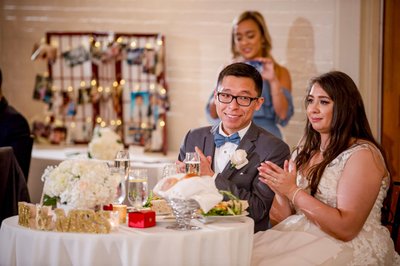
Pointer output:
x,y
218,243
43,156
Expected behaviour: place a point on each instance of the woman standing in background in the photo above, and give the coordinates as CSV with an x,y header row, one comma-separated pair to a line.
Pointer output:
x,y
251,43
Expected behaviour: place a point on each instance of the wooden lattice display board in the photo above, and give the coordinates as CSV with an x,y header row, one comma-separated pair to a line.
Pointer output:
x,y
109,79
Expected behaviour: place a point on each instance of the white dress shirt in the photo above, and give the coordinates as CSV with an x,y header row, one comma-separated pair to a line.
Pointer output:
x,y
223,153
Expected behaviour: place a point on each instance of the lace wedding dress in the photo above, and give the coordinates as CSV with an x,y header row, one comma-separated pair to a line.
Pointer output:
x,y
297,241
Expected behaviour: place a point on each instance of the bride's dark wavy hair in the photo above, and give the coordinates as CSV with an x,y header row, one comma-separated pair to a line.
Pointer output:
x,y
348,121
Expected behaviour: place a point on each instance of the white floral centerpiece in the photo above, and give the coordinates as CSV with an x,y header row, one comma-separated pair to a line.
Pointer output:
x,y
104,144
80,184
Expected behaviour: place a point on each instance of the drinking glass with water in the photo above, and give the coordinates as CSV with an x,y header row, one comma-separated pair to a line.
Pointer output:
x,y
120,193
137,187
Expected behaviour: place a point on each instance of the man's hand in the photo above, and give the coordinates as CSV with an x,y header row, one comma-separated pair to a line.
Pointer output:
x,y
205,163
180,166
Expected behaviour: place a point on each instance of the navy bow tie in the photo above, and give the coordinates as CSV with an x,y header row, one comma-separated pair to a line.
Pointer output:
x,y
221,140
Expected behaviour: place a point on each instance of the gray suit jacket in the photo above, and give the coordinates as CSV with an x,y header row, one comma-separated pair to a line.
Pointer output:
x,y
260,146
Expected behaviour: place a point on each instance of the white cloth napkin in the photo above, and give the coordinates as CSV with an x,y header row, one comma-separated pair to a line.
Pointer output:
x,y
202,189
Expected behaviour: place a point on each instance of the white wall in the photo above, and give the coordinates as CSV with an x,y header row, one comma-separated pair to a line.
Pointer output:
x,y
309,37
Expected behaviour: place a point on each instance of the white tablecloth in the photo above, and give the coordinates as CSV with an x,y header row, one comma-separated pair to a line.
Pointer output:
x,y
43,156
218,243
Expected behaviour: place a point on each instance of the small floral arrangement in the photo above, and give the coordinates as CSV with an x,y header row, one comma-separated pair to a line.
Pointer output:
x,y
105,144
80,184
238,159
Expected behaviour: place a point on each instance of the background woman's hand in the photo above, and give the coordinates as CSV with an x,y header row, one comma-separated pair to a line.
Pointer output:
x,y
268,72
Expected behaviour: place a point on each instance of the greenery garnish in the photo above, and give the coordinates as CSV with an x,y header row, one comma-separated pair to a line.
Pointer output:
x,y
225,208
50,201
149,199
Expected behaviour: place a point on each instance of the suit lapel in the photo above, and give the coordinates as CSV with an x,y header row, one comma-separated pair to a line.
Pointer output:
x,y
209,145
247,144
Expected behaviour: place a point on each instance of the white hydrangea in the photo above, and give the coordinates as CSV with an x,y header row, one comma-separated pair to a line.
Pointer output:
x,y
80,184
105,144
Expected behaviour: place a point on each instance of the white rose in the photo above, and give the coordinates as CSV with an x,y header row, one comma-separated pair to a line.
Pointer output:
x,y
238,159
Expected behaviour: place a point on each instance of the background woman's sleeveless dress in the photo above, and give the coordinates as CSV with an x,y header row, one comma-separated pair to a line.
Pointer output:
x,y
297,241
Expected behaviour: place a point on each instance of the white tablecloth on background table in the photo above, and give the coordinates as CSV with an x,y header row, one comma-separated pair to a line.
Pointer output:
x,y
218,243
43,156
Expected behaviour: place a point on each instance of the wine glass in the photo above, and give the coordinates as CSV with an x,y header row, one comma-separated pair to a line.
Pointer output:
x,y
170,169
137,187
120,193
192,164
122,161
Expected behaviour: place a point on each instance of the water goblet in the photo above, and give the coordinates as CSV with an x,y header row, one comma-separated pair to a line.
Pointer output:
x,y
137,187
120,193
170,169
192,164
122,161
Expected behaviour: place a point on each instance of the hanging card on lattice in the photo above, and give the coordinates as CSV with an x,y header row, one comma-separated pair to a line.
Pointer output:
x,y
108,79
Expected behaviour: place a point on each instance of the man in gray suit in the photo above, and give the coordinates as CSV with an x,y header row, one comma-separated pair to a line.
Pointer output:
x,y
237,97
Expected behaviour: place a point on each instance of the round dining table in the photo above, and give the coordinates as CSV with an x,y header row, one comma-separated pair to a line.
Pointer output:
x,y
221,242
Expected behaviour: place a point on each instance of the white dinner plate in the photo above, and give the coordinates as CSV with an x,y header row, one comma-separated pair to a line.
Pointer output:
x,y
224,218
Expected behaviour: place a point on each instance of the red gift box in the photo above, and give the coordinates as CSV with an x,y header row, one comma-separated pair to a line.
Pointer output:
x,y
142,219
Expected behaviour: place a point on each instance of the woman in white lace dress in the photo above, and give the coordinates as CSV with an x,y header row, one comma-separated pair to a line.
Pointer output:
x,y
328,198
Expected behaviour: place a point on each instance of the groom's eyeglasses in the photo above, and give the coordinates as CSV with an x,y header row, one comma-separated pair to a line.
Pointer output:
x,y
240,100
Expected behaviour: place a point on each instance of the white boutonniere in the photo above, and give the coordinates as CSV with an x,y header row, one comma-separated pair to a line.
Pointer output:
x,y
238,159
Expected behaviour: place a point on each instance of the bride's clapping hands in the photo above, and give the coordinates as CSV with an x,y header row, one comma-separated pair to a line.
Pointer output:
x,y
281,181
